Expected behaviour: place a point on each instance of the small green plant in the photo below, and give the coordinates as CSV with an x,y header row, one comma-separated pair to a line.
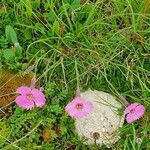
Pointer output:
x,y
102,45
5,131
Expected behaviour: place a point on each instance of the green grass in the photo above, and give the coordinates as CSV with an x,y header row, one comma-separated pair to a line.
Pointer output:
x,y
95,44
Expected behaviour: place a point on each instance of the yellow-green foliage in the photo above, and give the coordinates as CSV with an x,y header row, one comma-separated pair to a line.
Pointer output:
x,y
4,132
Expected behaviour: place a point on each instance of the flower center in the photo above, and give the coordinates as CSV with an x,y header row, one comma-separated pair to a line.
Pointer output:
x,y
79,106
29,97
132,111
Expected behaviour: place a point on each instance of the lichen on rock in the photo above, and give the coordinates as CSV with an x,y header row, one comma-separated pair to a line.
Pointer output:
x,y
102,124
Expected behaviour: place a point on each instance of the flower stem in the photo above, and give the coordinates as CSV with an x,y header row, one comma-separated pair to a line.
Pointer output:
x,y
78,93
77,77
33,82
126,103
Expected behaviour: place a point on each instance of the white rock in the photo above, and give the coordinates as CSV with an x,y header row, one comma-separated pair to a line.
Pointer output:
x,y
101,125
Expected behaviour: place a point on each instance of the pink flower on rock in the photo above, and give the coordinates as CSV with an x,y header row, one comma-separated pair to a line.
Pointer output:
x,y
29,98
79,107
134,111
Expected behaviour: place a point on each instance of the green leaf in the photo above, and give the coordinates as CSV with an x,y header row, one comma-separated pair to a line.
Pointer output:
x,y
1,65
11,34
50,16
75,4
37,3
28,6
63,129
9,54
19,51
28,33
56,109
56,27
39,27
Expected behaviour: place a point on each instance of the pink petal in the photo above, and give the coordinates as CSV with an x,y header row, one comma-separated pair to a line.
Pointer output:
x,y
138,113
24,103
23,90
73,112
89,106
78,113
140,110
130,118
130,107
39,97
70,108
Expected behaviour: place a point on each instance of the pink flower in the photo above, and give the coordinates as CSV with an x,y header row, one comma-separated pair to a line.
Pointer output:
x,y
134,111
29,98
79,107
